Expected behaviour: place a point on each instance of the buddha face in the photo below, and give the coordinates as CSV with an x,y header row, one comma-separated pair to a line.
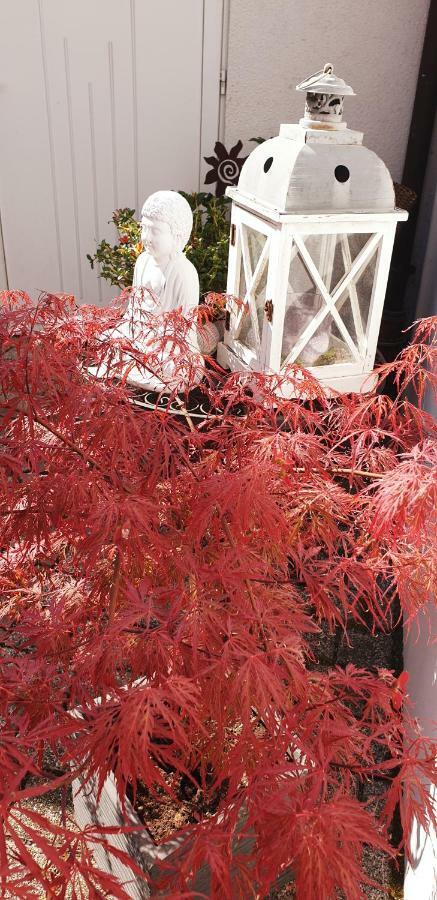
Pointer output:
x,y
157,238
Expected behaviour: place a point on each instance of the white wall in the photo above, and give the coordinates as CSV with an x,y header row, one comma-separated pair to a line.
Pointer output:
x,y
420,655
420,660
3,275
375,45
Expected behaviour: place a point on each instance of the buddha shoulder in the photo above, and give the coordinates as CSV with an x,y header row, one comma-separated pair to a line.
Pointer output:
x,y
141,263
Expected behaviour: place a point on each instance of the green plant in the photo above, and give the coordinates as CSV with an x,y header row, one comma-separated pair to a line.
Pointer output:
x,y
209,242
207,250
117,262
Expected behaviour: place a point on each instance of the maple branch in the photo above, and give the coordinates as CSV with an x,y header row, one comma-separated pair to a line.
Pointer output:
x,y
115,586
363,770
65,440
338,699
363,472
94,464
185,413
337,470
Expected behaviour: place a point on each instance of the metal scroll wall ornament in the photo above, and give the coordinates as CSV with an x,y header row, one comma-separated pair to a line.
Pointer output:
x,y
226,166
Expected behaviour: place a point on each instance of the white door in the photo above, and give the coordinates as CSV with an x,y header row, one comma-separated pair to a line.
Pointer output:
x,y
101,103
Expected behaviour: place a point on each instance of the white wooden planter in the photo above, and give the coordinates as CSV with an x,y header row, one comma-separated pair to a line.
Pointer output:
x,y
139,845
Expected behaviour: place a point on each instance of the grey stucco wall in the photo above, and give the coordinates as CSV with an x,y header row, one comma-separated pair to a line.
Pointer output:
x,y
375,45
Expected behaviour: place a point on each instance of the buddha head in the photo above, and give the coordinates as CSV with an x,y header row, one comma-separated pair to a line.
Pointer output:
x,y
166,223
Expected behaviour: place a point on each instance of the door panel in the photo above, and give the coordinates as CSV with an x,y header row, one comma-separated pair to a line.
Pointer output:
x,y
100,104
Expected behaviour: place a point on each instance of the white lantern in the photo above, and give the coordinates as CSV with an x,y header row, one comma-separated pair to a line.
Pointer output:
x,y
312,230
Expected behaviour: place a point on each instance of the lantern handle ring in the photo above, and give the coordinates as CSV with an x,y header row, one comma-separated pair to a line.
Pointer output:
x,y
307,82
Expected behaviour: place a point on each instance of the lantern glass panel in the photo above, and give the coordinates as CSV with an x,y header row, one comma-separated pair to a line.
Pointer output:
x,y
323,324
252,286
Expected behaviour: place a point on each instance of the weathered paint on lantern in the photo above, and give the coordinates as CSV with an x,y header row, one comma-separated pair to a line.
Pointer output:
x,y
303,174
314,221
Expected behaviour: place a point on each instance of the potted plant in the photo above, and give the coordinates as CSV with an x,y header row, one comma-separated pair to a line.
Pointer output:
x,y
164,583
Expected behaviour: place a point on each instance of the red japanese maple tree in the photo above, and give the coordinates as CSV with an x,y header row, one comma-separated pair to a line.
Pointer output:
x,y
178,568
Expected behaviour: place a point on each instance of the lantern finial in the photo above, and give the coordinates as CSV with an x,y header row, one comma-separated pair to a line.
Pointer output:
x,y
325,94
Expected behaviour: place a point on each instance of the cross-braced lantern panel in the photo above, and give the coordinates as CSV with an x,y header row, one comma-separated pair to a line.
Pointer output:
x,y
330,287
255,248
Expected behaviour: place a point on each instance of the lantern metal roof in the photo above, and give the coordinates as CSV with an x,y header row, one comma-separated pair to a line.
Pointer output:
x,y
325,82
316,166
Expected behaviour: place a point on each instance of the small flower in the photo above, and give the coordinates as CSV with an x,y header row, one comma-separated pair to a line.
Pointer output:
x,y
226,167
124,239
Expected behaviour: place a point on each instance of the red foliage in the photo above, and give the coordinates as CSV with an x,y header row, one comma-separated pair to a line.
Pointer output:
x,y
201,558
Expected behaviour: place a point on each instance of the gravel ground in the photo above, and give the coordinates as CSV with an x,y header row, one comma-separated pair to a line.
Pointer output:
x,y
49,806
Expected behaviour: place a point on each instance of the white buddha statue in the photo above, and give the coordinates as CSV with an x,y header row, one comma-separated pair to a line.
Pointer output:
x,y
164,280
166,223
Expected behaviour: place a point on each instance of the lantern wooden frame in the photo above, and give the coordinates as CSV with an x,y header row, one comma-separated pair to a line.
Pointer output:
x,y
285,235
